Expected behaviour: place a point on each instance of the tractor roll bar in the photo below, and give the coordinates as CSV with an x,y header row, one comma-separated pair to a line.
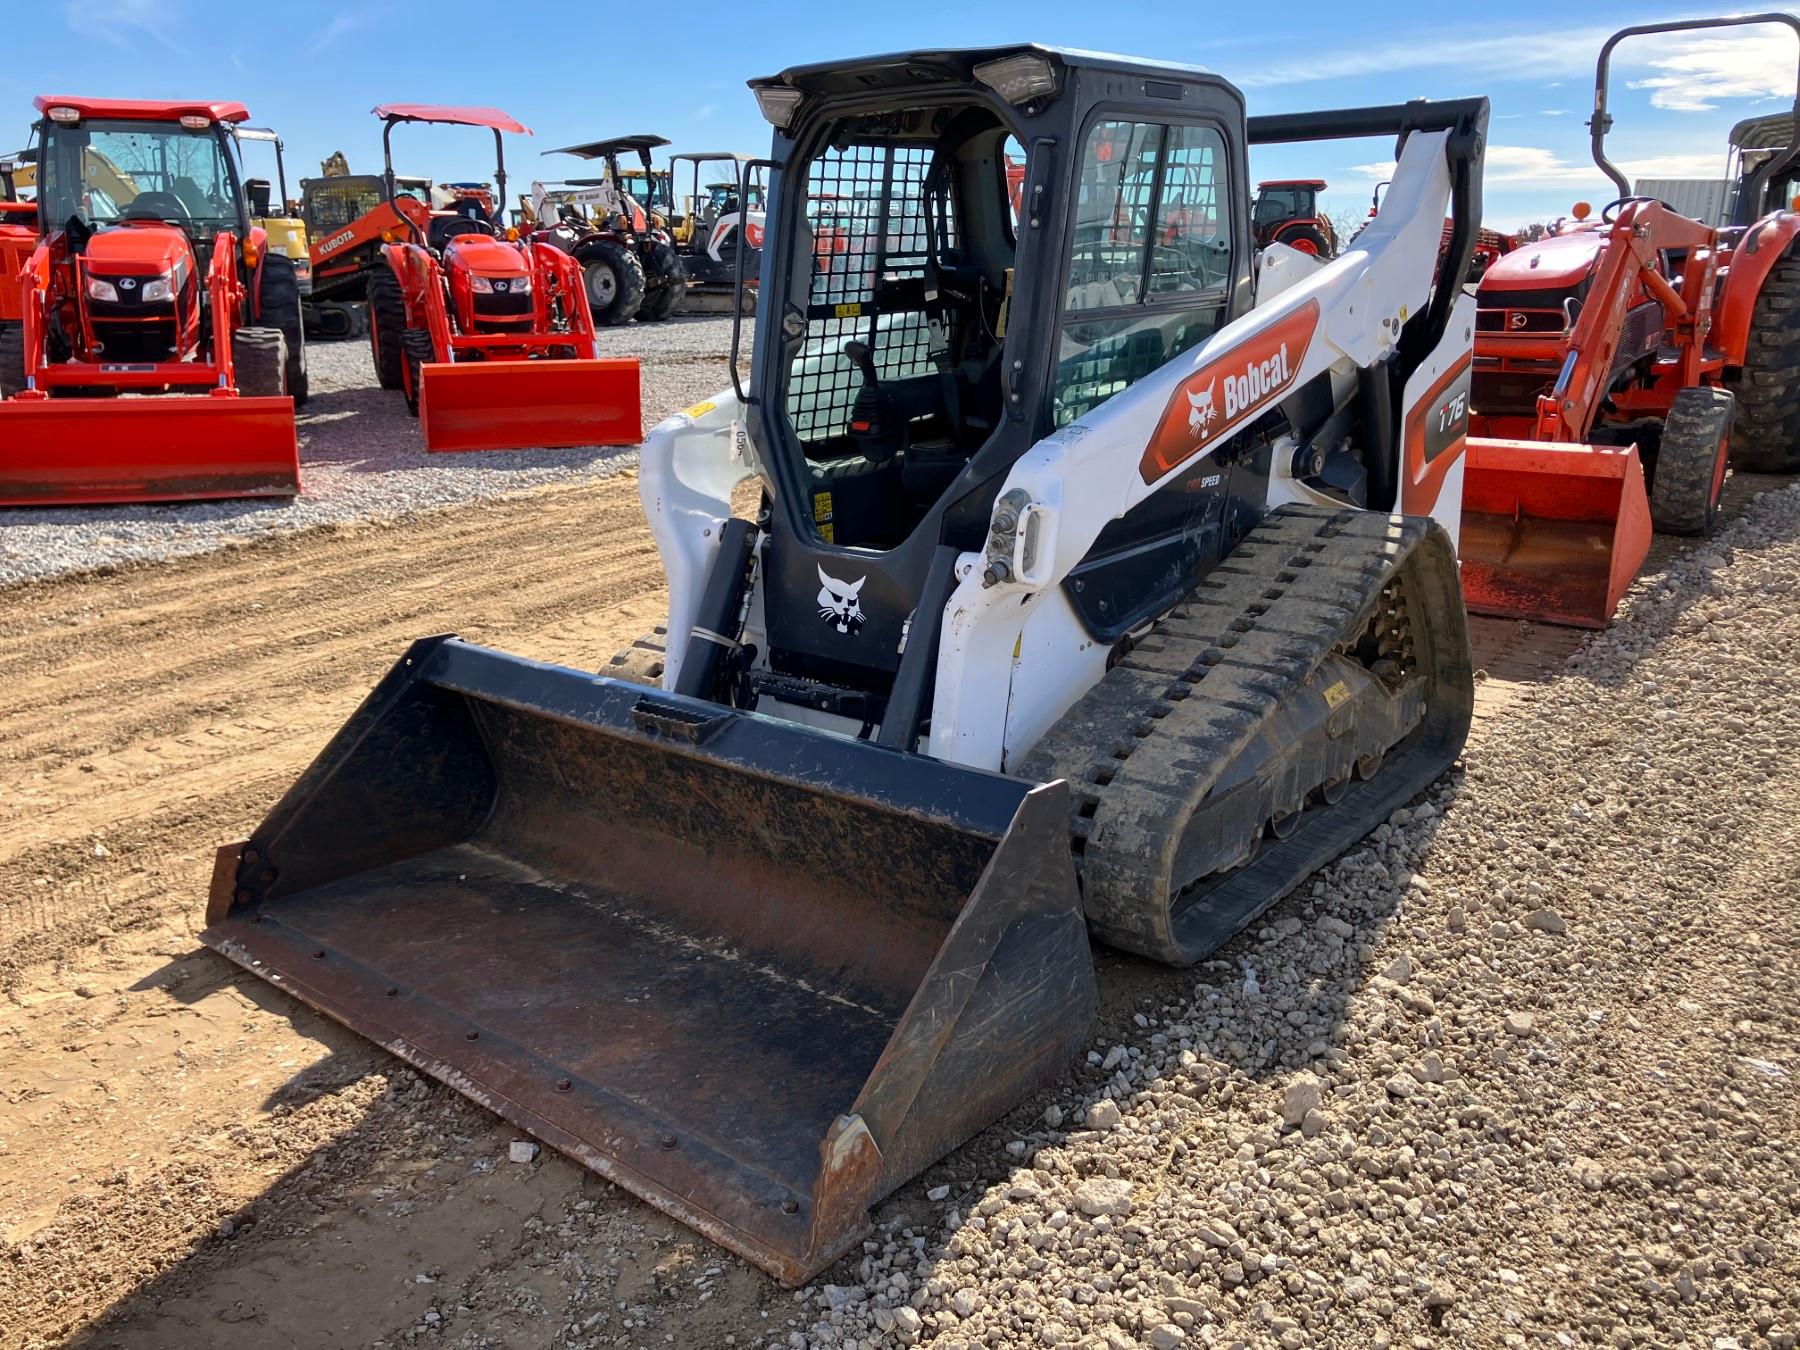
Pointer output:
x,y
492,118
1750,195
1466,121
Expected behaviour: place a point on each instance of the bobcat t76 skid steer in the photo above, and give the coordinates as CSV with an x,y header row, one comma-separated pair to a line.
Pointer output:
x,y
1102,579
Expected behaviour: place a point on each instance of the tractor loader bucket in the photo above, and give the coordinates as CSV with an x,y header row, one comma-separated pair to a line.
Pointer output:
x,y
524,405
755,973
87,451
1552,532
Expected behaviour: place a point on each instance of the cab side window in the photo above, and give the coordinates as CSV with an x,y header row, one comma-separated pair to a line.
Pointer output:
x,y
1150,257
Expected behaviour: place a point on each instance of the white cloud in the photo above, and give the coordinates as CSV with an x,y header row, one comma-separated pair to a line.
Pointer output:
x,y
1684,72
342,25
1702,71
1536,166
1522,56
1553,112
117,21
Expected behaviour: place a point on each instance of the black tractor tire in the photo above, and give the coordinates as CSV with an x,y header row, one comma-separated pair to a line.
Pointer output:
x,y
614,280
281,308
415,344
1766,436
666,300
387,326
259,360
1302,235
1689,474
12,359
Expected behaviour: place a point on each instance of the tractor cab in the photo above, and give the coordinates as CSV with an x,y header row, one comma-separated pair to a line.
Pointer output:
x,y
1286,211
921,333
135,196
1756,142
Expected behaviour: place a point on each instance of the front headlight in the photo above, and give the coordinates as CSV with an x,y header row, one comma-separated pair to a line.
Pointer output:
x,y
102,290
505,285
159,288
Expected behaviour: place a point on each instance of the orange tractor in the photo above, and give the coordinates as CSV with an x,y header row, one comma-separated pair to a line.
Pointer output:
x,y
1619,365
490,336
146,276
18,230
1286,211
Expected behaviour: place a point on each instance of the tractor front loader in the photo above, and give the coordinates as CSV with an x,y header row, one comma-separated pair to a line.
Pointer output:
x,y
1620,364
1103,581
489,336
148,278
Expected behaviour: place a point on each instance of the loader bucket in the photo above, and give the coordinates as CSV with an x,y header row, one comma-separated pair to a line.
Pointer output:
x,y
89,451
523,405
1552,532
756,973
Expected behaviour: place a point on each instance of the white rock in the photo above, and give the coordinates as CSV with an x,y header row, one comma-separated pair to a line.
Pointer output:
x,y
1103,1114
522,1151
1166,1336
1303,1094
938,1193
1546,921
1103,1195
1520,1024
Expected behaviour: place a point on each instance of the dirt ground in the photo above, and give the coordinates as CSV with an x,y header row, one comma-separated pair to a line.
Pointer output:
x,y
190,1158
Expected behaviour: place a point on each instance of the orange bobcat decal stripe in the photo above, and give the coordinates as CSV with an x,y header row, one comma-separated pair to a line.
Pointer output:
x,y
1252,376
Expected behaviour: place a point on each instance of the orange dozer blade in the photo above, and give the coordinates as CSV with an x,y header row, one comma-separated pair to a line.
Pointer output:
x,y
524,405
1552,532
172,448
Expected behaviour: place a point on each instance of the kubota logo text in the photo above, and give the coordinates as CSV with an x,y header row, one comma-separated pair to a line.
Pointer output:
x,y
337,241
1240,383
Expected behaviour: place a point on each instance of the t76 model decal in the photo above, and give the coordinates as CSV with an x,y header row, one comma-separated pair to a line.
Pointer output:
x,y
1244,381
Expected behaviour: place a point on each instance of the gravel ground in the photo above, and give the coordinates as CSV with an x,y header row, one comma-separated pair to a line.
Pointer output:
x,y
361,459
1517,1071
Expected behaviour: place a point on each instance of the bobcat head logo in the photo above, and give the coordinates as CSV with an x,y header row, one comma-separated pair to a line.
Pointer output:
x,y
1201,411
838,603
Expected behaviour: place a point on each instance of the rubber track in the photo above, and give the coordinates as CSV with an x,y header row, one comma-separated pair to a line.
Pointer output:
x,y
1143,747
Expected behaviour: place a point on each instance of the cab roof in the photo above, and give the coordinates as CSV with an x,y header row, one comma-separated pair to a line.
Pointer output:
x,y
617,145
1773,132
1291,182
957,64
492,118
143,109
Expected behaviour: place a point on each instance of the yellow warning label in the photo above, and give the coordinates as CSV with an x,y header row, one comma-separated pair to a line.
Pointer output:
x,y
1335,694
699,409
849,311
828,533
821,507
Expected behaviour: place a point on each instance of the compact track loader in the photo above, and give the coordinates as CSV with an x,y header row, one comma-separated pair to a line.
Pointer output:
x,y
147,276
1620,364
1103,580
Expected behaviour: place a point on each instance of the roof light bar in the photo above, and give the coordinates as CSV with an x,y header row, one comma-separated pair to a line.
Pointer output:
x,y
1018,79
778,104
64,114
195,122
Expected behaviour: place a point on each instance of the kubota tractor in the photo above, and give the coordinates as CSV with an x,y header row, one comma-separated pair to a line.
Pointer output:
x,y
1287,212
489,336
148,277
1094,587
631,265
1620,363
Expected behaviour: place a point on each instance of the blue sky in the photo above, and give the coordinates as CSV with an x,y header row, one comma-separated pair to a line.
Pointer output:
x,y
314,70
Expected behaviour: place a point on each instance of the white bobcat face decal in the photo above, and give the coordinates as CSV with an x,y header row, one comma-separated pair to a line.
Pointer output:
x,y
1201,411
838,603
